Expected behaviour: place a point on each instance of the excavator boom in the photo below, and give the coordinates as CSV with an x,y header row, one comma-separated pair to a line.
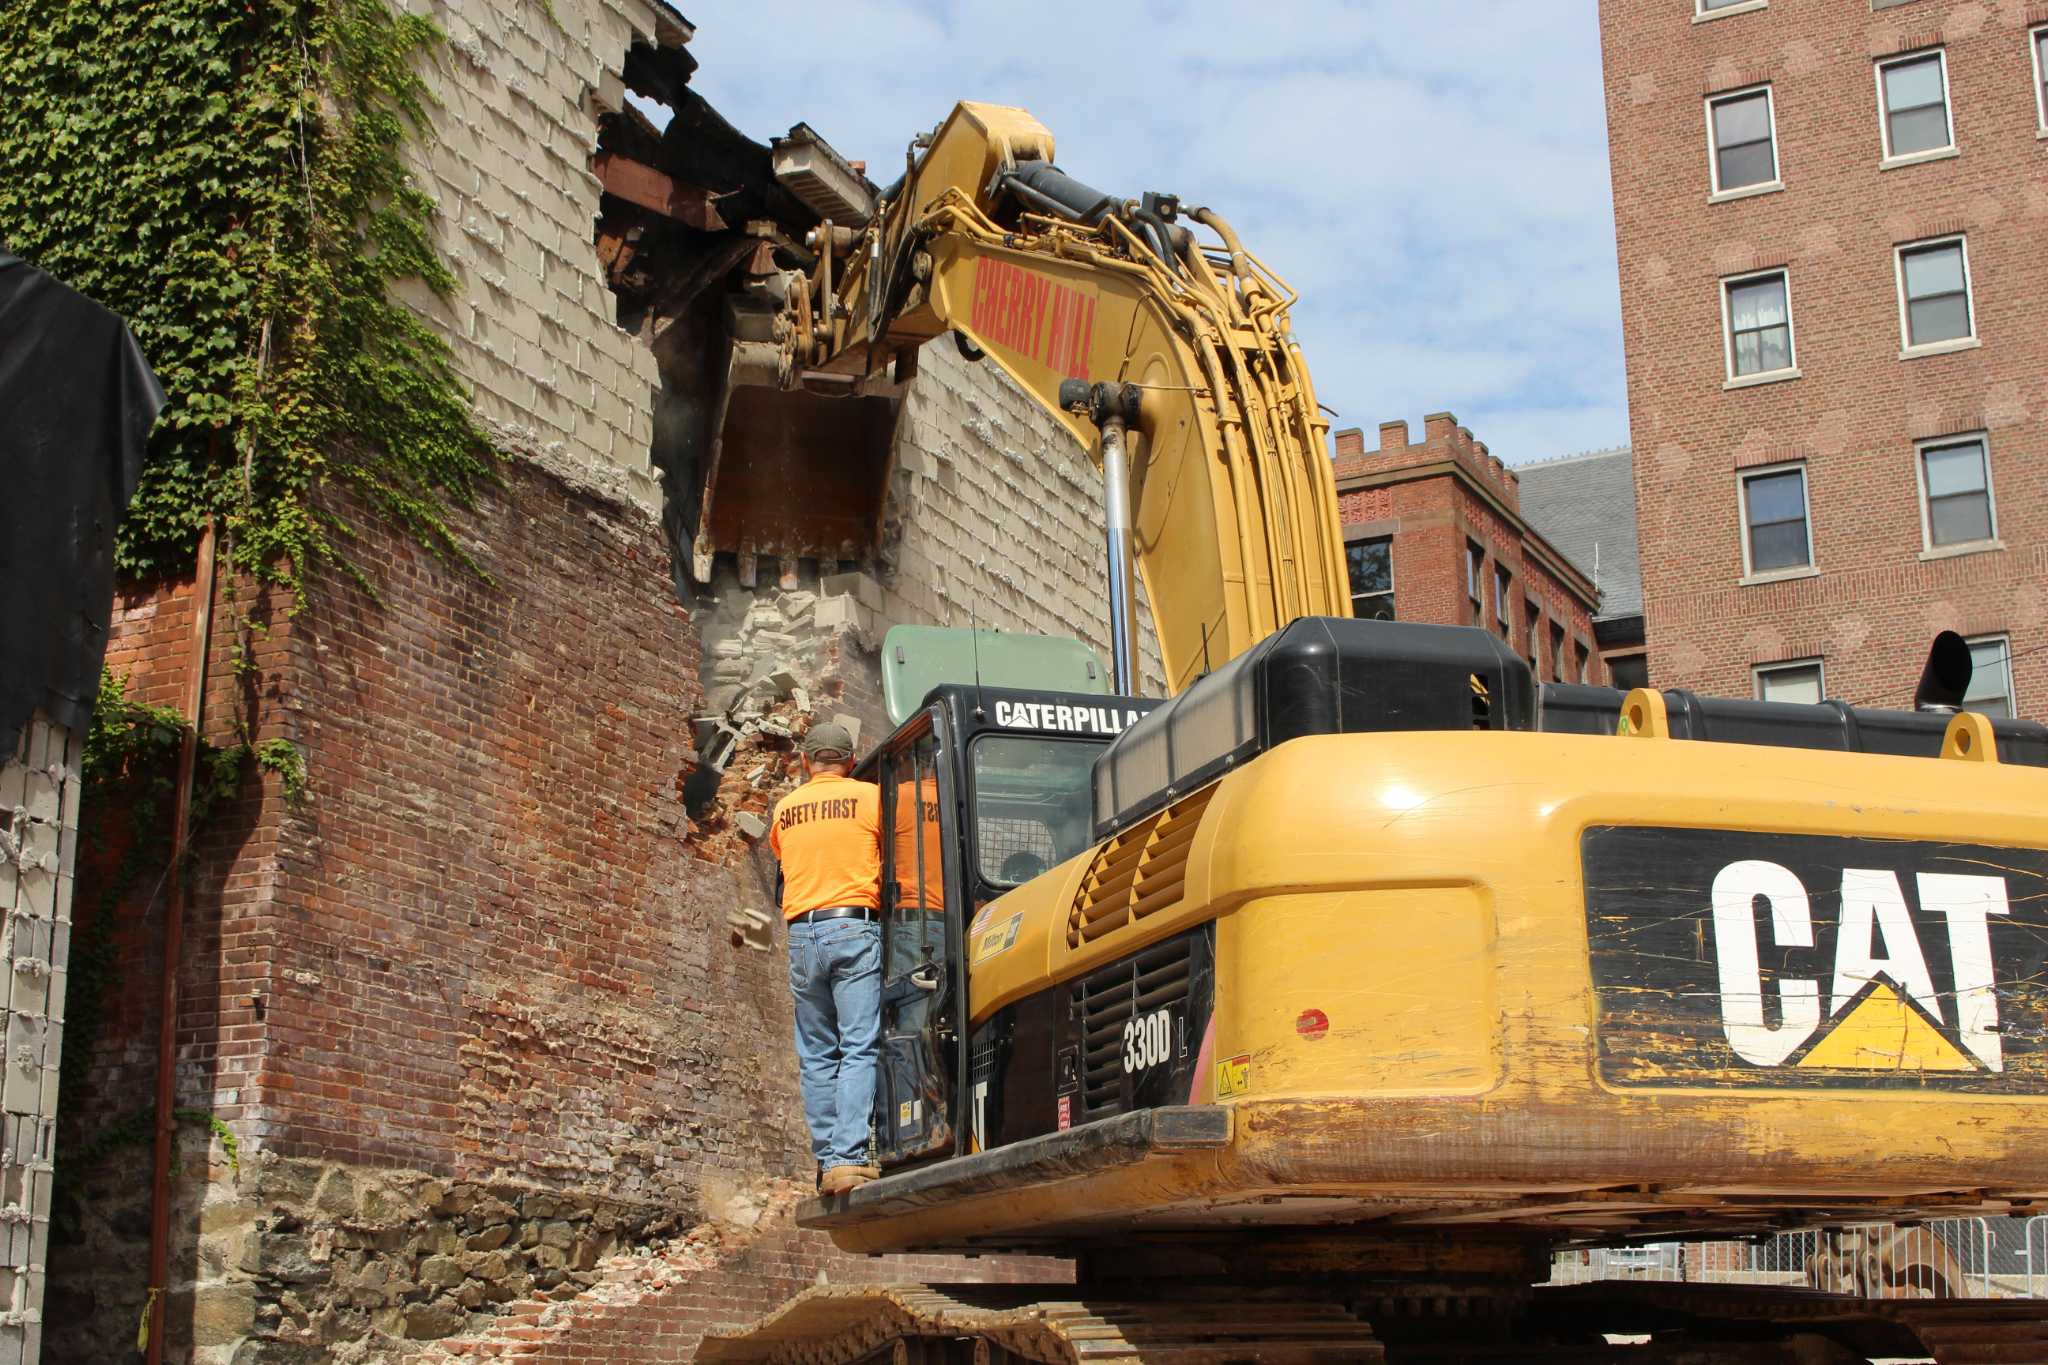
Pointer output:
x,y
1232,498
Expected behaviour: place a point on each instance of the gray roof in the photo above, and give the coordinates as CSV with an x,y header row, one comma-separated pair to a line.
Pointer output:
x,y
1585,506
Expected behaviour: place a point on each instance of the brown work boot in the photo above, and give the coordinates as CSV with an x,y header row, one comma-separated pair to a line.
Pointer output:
x,y
841,1179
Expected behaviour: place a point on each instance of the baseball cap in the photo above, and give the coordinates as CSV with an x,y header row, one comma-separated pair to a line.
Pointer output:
x,y
828,741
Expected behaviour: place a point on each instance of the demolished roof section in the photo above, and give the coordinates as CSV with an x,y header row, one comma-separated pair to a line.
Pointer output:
x,y
700,232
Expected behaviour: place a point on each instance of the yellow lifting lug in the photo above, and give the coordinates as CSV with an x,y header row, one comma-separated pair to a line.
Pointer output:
x,y
1643,715
1970,738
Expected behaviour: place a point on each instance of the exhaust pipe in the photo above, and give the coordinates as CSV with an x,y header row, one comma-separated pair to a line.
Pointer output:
x,y
1946,677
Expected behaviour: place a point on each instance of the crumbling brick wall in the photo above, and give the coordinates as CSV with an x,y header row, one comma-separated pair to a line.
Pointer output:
x,y
493,951
490,948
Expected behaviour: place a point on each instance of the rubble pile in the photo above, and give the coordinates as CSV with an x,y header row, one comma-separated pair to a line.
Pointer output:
x,y
777,661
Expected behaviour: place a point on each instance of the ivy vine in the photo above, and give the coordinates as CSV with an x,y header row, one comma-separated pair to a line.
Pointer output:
x,y
228,175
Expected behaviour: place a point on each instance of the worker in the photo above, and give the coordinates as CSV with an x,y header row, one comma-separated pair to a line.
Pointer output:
x,y
827,834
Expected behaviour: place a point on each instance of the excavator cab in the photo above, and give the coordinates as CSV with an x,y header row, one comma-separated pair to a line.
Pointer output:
x,y
983,788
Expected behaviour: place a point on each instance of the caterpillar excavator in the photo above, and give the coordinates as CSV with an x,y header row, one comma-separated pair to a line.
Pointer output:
x,y
1312,1010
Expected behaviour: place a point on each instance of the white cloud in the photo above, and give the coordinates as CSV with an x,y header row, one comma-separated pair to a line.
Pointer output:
x,y
1432,178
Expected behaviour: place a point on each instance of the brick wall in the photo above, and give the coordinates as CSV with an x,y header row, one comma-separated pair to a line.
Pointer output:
x,y
1874,598
492,946
491,943
1433,497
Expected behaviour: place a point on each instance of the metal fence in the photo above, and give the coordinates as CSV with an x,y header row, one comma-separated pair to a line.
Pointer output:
x,y
1941,1258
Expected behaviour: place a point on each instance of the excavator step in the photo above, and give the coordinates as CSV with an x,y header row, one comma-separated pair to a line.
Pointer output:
x,y
993,1324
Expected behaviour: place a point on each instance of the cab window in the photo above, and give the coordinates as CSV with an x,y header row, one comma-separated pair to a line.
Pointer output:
x,y
1031,805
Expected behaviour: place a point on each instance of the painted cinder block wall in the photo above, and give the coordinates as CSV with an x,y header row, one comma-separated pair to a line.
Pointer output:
x,y
1875,601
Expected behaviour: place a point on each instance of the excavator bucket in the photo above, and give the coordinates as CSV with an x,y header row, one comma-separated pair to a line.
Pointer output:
x,y
797,462
703,234
794,475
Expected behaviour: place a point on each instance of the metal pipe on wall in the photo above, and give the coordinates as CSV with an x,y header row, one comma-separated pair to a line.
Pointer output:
x,y
174,935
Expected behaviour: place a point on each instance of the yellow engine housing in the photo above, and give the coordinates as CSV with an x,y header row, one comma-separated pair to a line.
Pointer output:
x,y
1423,894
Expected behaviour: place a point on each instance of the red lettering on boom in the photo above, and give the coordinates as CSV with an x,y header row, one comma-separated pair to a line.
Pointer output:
x,y
1028,313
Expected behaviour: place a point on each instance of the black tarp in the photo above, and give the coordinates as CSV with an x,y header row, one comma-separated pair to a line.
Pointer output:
x,y
77,402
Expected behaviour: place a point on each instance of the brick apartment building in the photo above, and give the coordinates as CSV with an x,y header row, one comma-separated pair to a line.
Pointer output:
x,y
1434,532
1830,222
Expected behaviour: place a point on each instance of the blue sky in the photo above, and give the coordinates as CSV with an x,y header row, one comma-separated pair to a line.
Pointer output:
x,y
1431,177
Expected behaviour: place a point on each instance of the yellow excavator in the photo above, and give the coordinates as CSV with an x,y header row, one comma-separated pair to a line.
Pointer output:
x,y
1311,1011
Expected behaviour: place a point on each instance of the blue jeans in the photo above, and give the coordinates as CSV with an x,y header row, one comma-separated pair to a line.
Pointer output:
x,y
835,975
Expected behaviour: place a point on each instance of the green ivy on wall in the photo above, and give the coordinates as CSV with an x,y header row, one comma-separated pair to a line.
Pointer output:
x,y
227,175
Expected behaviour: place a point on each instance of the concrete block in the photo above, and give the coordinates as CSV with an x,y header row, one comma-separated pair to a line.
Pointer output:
x,y
43,800
30,993
841,613
23,1091
859,586
752,826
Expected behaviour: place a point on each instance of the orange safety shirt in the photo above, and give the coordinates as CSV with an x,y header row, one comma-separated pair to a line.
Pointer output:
x,y
828,834
917,821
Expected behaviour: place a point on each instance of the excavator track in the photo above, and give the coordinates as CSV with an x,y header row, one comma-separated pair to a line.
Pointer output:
x,y
1662,1324
1007,1325
1948,1331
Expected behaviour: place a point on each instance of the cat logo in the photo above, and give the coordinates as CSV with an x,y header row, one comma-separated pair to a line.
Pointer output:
x,y
1747,959
1882,1010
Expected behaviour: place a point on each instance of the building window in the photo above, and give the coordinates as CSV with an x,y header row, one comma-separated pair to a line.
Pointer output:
x,y
1709,6
1955,492
1800,681
1557,659
1475,570
1372,579
1912,100
1990,689
1503,602
1774,517
1934,293
2041,75
1628,671
1532,627
1582,663
1740,139
1757,313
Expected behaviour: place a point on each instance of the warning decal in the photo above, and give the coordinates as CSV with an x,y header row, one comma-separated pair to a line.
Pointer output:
x,y
1724,958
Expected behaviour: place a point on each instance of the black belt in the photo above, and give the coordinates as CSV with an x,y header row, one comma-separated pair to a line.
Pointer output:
x,y
836,912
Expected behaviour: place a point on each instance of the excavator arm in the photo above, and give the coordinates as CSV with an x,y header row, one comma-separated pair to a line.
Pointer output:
x,y
1232,501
